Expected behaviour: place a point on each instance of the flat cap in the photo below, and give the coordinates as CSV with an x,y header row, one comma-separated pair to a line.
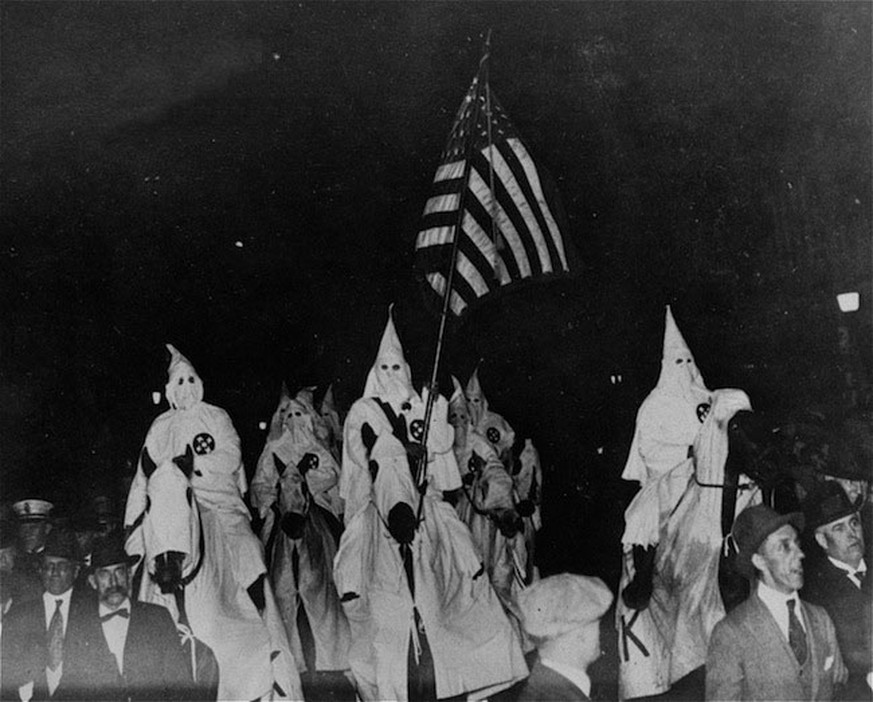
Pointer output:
x,y
561,603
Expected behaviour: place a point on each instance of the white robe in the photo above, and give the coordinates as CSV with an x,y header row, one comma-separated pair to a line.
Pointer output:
x,y
473,645
218,480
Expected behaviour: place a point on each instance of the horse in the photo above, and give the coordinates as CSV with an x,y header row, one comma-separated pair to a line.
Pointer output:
x,y
665,641
425,621
184,570
302,544
488,509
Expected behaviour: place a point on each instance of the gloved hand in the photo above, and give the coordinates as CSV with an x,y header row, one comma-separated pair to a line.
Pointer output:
x,y
292,524
525,508
401,523
415,451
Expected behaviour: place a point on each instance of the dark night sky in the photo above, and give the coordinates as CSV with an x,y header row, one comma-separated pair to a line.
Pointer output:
x,y
141,141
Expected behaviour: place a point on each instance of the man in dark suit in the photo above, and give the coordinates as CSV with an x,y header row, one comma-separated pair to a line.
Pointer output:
x,y
562,614
124,650
773,646
36,632
838,581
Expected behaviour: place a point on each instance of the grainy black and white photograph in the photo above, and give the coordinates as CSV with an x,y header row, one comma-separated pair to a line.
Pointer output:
x,y
387,350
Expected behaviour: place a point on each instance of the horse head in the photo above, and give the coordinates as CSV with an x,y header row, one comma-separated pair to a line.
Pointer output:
x,y
171,524
294,496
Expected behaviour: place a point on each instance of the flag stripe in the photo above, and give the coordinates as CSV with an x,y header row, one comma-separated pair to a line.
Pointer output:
x,y
534,194
506,233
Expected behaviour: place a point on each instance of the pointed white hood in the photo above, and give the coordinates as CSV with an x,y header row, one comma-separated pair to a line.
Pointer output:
x,y
679,373
184,387
390,378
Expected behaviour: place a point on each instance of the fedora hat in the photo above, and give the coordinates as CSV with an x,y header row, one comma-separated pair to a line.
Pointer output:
x,y
110,551
752,526
62,543
828,504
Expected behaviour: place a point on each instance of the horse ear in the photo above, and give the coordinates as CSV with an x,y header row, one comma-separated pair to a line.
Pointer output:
x,y
185,461
280,467
148,465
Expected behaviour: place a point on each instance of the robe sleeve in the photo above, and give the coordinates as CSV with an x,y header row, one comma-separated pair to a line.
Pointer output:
x,y
355,482
264,483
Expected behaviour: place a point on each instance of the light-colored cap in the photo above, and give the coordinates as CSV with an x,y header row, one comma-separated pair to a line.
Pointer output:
x,y
32,510
561,603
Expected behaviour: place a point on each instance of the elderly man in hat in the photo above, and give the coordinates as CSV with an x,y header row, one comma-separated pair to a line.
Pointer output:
x,y
124,650
562,614
36,632
838,582
773,646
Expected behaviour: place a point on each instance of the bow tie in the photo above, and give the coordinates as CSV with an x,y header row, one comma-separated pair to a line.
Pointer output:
x,y
117,613
860,575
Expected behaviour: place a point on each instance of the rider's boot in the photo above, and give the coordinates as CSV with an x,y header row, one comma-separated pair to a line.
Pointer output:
x,y
639,591
256,593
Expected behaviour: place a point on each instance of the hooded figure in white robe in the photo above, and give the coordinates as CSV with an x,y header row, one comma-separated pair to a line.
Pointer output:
x,y
487,422
668,422
219,484
425,621
295,490
219,480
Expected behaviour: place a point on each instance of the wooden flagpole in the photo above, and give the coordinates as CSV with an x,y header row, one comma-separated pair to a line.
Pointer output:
x,y
421,469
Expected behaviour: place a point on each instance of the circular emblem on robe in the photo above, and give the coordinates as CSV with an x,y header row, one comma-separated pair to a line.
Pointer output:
x,y
203,444
308,462
492,434
702,411
416,429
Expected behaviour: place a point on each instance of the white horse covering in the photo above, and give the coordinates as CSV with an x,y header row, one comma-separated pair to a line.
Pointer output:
x,y
474,648
666,641
252,650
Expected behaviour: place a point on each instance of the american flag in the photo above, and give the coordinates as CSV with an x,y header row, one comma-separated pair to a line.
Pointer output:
x,y
508,232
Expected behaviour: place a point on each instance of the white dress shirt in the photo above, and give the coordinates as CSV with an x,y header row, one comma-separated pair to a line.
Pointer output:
x,y
53,677
576,676
776,603
115,631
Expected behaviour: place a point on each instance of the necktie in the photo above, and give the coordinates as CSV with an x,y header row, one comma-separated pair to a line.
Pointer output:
x,y
55,642
796,635
859,575
124,613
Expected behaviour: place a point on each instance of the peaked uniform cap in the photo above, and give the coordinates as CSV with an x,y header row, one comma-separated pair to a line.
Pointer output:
x,y
562,603
32,510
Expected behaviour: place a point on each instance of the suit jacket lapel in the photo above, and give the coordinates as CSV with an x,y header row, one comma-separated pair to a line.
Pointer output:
x,y
774,636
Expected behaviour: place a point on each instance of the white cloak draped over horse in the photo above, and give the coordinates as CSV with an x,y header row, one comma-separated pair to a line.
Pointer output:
x,y
664,642
473,646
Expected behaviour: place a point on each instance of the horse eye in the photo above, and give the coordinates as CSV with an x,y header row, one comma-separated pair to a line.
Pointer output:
x,y
180,381
396,366
384,366
190,378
